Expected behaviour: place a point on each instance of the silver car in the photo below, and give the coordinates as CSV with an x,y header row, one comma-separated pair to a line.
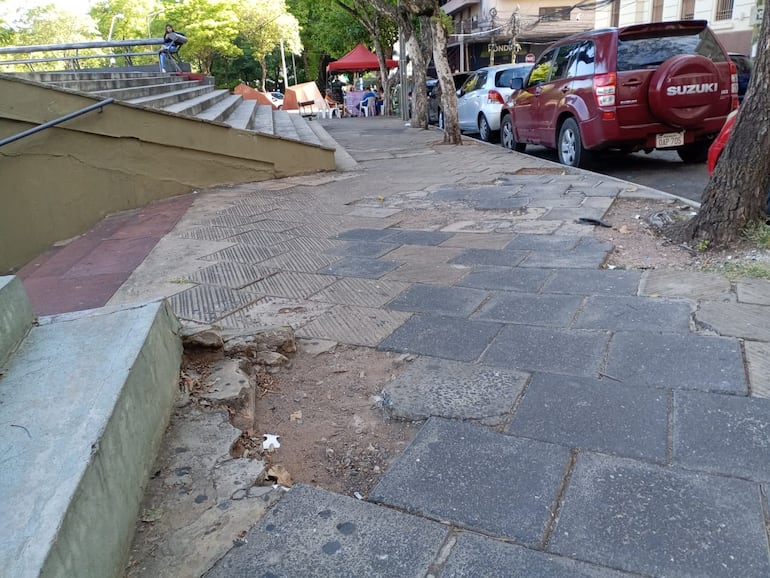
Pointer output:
x,y
480,99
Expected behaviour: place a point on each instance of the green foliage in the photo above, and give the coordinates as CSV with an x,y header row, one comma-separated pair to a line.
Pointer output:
x,y
703,245
758,233
744,269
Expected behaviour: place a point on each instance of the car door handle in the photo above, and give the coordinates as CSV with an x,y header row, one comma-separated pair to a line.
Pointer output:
x,y
632,82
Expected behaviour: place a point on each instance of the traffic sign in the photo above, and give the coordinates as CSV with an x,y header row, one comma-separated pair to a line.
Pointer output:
x,y
530,58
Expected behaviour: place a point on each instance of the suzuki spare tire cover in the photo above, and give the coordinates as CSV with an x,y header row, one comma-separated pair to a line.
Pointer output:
x,y
685,90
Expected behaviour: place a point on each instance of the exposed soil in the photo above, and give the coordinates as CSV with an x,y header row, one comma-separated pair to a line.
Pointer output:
x,y
327,410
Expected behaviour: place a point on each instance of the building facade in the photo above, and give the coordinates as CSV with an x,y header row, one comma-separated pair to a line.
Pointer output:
x,y
499,31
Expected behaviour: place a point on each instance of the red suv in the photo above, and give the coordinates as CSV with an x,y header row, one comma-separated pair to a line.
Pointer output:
x,y
663,85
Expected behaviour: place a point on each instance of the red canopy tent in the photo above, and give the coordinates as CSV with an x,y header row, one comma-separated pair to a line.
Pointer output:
x,y
358,60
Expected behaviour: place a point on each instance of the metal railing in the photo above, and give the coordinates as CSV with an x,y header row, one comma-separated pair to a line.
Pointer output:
x,y
100,105
73,59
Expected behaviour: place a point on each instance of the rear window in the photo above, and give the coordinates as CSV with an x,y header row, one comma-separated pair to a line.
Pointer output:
x,y
504,77
639,52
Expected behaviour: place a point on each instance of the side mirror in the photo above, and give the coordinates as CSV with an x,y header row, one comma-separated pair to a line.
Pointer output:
x,y
517,83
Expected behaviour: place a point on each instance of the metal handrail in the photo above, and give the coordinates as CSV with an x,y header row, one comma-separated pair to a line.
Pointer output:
x,y
101,104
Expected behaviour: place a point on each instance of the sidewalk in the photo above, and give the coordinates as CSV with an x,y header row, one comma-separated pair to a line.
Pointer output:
x,y
581,421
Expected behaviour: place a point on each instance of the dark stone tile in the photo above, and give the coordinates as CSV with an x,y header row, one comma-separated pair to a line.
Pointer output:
x,y
723,434
447,337
595,415
528,348
369,249
312,532
660,521
355,267
547,243
501,203
491,257
530,309
707,363
475,555
635,314
439,300
473,478
587,259
409,237
594,281
507,279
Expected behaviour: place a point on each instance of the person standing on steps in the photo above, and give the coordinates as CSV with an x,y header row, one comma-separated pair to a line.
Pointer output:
x,y
172,40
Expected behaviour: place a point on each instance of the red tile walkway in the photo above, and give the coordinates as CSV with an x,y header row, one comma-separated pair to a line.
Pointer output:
x,y
86,272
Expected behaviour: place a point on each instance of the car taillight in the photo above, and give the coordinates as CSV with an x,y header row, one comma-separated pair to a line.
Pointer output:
x,y
494,97
734,84
604,89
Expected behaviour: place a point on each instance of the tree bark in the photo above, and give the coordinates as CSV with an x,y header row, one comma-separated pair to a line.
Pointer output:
x,y
737,192
448,97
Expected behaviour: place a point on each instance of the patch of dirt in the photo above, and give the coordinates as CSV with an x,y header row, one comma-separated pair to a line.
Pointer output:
x,y
640,231
328,413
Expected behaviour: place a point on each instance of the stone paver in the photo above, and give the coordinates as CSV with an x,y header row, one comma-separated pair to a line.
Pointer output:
x,y
593,282
595,415
357,267
447,337
474,478
677,361
529,309
722,434
634,314
755,291
490,257
371,249
736,319
686,284
529,348
758,365
436,387
547,243
472,553
507,279
439,300
318,534
661,521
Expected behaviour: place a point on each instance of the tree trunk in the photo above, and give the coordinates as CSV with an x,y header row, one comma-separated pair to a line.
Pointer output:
x,y
448,97
737,192
419,95
263,64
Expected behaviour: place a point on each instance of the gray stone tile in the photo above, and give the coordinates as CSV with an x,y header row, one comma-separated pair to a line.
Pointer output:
x,y
371,235
473,194
736,319
528,348
548,243
435,274
475,555
428,255
439,300
689,361
722,434
530,309
411,237
355,267
586,259
502,203
307,262
686,284
594,282
315,533
354,325
369,249
660,521
634,314
491,257
473,478
756,291
438,387
591,414
507,279
364,292
292,284
758,365
478,240
446,337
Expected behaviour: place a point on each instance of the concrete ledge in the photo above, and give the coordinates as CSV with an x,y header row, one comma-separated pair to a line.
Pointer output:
x,y
15,315
85,402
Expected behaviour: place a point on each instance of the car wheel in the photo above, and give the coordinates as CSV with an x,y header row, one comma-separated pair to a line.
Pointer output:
x,y
485,133
696,152
508,138
570,145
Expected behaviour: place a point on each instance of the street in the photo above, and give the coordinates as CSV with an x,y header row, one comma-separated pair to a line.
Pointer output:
x,y
661,170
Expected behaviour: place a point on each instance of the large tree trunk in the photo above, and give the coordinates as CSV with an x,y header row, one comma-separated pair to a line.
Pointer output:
x,y
737,192
448,97
419,96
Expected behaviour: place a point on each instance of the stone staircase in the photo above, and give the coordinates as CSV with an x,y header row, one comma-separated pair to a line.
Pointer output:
x,y
84,401
191,95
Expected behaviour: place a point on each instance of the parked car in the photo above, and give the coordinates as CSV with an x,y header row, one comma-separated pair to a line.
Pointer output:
x,y
744,66
435,114
715,150
481,97
277,98
661,85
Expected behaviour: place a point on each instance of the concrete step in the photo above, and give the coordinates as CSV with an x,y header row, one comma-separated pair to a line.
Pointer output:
x,y
15,316
342,158
86,399
95,75
283,125
96,85
138,91
243,116
222,109
302,127
195,105
176,97
263,119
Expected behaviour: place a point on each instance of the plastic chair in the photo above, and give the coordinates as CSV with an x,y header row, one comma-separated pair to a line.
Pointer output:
x,y
368,104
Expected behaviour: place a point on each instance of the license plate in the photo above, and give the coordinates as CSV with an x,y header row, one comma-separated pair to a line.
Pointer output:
x,y
669,139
